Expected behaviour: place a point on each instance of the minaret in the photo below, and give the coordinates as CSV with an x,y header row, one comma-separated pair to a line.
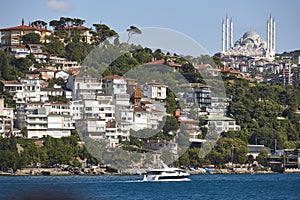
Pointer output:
x,y
268,36
274,34
226,34
223,36
231,33
271,34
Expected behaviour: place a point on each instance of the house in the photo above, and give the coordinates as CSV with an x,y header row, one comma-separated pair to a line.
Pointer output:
x,y
45,73
255,150
11,86
84,32
221,123
20,51
12,36
35,48
154,90
61,74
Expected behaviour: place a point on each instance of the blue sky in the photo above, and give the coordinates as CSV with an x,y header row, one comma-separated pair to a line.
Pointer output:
x,y
201,20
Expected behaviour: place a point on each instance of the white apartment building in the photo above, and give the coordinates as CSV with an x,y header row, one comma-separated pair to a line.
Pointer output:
x,y
53,119
154,90
146,118
114,84
92,128
84,87
31,92
6,120
222,123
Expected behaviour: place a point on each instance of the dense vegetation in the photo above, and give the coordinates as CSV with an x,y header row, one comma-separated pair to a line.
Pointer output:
x,y
48,152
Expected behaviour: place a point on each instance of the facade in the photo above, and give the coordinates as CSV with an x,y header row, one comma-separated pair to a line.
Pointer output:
x,y
222,124
154,90
53,119
114,84
6,120
84,87
12,36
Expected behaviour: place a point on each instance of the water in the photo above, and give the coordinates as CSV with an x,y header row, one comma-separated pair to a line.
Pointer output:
x,y
257,186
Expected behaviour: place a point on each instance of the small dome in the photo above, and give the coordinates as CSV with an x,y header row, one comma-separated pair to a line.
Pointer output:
x,y
251,34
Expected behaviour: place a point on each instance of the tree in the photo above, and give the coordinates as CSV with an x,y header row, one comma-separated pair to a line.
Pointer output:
x,y
158,54
39,24
131,31
55,46
7,71
171,124
31,38
77,51
262,158
102,32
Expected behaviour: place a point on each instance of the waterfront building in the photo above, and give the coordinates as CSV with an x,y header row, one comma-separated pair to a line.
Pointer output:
x,y
53,119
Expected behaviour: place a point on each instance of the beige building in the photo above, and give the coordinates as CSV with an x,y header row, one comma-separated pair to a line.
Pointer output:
x,y
12,36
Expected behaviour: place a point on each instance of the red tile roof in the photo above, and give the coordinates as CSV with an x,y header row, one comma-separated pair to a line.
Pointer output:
x,y
155,83
157,62
24,28
111,77
139,109
11,83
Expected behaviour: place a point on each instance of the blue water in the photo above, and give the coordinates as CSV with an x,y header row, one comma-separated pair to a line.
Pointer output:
x,y
257,186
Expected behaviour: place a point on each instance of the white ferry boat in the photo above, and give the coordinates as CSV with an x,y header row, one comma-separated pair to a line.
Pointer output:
x,y
166,174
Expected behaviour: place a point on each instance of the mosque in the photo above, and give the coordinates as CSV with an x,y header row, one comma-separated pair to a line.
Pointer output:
x,y
250,44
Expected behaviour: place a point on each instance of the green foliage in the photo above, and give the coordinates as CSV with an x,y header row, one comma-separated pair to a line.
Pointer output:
x,y
266,112
55,46
171,104
31,38
228,150
263,157
171,125
77,51
7,71
53,151
102,32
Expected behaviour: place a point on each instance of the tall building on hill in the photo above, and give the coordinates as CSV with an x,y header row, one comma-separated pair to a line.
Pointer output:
x,y
250,44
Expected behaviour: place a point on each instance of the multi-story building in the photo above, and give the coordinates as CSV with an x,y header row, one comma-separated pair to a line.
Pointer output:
x,y
6,120
197,93
222,124
12,36
154,90
84,87
114,84
53,119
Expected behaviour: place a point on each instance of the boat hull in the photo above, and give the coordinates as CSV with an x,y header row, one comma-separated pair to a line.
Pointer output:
x,y
165,178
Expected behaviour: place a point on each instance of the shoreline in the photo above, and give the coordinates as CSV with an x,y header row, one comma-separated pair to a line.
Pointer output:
x,y
102,172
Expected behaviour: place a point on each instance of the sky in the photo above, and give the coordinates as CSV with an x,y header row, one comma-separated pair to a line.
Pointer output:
x,y
199,20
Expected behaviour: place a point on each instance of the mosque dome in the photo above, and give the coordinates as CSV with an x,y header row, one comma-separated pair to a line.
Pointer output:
x,y
250,34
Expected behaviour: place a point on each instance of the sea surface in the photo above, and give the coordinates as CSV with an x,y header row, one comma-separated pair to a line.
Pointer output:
x,y
257,186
